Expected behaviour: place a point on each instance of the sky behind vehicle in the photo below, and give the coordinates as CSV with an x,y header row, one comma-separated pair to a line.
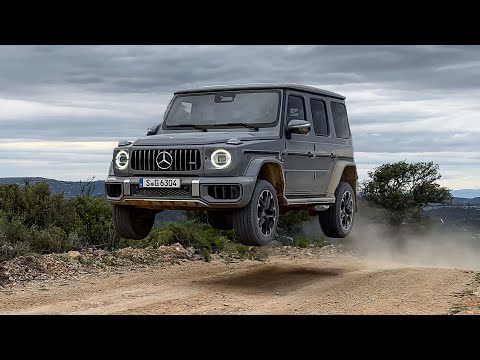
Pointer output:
x,y
63,108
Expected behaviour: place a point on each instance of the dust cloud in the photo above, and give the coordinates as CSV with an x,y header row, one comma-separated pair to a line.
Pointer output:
x,y
381,244
434,248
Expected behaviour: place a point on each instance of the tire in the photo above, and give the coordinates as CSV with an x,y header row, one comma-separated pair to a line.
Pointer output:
x,y
337,221
220,220
132,223
256,223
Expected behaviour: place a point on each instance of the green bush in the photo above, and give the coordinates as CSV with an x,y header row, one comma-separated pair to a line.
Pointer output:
x,y
14,238
35,206
34,220
94,224
291,222
196,216
203,238
305,241
53,239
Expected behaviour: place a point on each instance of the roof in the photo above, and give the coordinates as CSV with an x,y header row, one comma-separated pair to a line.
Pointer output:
x,y
299,87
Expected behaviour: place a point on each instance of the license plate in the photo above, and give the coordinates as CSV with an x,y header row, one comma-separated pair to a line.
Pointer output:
x,y
158,183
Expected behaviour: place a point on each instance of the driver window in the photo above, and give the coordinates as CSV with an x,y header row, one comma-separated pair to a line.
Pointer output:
x,y
296,108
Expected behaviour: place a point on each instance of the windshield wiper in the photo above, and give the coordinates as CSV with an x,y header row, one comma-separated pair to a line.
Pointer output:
x,y
249,126
191,126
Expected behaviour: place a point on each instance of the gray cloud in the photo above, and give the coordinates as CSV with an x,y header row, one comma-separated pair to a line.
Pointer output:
x,y
401,99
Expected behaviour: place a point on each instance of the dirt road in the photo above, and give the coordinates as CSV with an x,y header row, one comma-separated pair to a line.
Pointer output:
x,y
281,285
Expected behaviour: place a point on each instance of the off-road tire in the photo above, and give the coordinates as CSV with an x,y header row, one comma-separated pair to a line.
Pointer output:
x,y
132,223
247,221
220,220
331,219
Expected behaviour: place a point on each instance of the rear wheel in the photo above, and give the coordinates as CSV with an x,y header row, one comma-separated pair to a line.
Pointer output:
x,y
256,223
337,221
131,222
220,220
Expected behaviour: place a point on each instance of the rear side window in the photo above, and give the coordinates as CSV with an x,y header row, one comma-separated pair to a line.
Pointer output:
x,y
319,116
340,120
296,108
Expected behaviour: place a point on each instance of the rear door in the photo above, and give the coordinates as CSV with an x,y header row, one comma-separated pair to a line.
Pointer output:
x,y
299,162
324,144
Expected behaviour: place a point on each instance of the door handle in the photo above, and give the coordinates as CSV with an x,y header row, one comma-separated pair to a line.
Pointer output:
x,y
310,154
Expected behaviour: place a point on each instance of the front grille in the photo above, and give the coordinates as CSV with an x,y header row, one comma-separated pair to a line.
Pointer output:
x,y
182,192
179,160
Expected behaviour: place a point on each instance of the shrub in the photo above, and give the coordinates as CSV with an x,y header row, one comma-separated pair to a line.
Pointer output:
x,y
34,220
291,222
35,206
14,238
203,238
196,216
53,239
95,225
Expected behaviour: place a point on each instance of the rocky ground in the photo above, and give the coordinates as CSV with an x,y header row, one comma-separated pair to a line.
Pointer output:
x,y
175,280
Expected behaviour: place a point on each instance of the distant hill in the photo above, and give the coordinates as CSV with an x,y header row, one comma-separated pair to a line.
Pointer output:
x,y
464,201
73,188
466,193
68,188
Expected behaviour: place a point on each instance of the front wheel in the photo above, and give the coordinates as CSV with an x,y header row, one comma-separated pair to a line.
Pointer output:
x,y
256,223
132,223
337,221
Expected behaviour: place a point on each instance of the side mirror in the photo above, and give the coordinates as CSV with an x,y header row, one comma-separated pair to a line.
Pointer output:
x,y
152,130
298,127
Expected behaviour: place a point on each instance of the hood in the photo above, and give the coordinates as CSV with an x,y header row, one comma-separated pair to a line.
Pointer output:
x,y
201,138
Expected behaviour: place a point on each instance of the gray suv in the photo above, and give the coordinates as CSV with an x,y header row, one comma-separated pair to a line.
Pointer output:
x,y
245,154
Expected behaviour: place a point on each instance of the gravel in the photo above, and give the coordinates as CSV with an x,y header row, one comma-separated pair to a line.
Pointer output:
x,y
89,261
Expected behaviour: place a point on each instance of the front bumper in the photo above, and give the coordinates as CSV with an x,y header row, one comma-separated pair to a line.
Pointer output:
x,y
195,192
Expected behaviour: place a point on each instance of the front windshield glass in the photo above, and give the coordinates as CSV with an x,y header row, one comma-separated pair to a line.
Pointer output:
x,y
219,109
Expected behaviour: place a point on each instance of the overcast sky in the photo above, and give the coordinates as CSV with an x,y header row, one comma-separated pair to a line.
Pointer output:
x,y
63,108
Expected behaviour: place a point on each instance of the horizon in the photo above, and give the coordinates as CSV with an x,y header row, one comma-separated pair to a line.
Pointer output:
x,y
73,103
103,179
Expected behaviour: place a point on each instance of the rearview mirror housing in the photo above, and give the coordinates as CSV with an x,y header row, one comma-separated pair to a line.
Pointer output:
x,y
152,130
298,127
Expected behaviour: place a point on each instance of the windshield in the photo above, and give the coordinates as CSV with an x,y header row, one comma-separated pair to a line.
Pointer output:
x,y
223,108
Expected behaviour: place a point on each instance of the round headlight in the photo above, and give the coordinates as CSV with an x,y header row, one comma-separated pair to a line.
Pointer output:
x,y
121,160
221,158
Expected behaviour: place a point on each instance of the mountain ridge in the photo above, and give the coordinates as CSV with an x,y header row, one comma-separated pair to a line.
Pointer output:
x,y
73,188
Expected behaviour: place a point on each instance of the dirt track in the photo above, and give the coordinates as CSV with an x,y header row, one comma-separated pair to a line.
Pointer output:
x,y
282,285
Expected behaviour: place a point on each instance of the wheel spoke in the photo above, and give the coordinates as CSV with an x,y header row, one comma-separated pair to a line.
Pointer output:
x,y
261,203
267,202
261,221
346,210
266,212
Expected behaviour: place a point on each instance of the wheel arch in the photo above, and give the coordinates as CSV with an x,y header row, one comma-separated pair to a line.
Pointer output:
x,y
271,170
343,171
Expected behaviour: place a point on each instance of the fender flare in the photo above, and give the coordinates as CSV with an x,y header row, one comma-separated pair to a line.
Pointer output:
x,y
253,170
337,176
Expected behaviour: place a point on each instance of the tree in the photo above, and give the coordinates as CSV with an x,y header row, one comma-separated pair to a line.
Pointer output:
x,y
88,187
403,189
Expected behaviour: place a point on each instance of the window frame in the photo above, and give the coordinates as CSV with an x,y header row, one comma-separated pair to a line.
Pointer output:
x,y
346,117
270,125
327,119
305,114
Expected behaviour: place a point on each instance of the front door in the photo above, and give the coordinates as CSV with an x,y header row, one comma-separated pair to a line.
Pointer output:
x,y
299,164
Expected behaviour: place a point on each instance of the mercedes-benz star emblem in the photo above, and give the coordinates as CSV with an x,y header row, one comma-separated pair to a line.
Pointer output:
x,y
164,160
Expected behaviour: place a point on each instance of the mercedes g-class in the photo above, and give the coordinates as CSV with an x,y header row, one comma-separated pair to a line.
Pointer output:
x,y
243,153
